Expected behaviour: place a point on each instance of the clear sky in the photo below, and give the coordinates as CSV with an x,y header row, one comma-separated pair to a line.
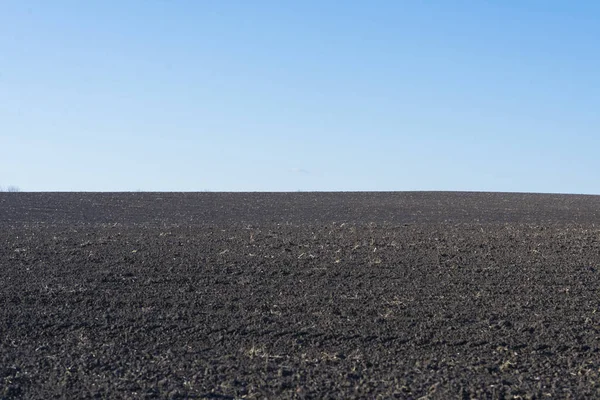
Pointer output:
x,y
193,95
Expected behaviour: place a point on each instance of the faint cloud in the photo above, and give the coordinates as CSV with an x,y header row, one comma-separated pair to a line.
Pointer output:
x,y
299,171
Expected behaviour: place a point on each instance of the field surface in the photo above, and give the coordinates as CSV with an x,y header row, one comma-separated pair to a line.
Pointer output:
x,y
299,295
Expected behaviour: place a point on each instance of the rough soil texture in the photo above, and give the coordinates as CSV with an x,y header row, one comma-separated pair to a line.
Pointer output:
x,y
304,295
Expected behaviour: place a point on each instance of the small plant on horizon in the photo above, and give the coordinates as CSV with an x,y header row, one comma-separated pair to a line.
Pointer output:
x,y
13,189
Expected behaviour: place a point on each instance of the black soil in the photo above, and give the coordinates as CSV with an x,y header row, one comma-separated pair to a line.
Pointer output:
x,y
303,295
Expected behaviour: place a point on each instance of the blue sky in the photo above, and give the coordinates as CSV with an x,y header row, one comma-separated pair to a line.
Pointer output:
x,y
187,95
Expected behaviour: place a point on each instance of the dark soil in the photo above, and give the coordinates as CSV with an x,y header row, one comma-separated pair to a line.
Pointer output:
x,y
304,295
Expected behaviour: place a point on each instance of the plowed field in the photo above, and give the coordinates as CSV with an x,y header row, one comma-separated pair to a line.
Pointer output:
x,y
303,295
